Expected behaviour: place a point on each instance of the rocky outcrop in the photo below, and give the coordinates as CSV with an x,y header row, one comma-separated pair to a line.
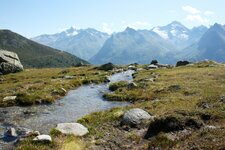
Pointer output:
x,y
72,128
135,116
9,62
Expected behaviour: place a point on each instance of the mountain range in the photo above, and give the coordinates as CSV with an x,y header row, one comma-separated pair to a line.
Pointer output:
x,y
211,46
165,43
132,46
35,55
180,35
84,43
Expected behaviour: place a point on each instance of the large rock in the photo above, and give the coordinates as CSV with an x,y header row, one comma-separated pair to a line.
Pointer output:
x,y
182,63
106,67
152,66
154,62
72,128
9,62
43,138
135,116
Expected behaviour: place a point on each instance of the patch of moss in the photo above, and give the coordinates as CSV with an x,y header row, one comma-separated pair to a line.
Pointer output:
x,y
117,85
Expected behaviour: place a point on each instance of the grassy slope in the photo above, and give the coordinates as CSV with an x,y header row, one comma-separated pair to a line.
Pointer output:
x,y
178,92
36,55
34,85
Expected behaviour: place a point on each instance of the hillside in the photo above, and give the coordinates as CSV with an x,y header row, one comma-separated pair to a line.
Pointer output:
x,y
36,55
83,43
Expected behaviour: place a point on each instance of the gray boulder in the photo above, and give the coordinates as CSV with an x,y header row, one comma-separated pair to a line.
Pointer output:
x,y
43,138
135,116
72,128
9,62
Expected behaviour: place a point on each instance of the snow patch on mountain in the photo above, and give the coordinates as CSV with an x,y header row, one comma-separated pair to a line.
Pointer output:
x,y
163,34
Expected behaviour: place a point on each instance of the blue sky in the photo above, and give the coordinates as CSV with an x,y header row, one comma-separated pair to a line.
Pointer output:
x,y
34,17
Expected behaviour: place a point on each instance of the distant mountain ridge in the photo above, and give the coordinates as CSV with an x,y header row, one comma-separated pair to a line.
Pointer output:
x,y
210,46
84,43
132,46
35,55
166,43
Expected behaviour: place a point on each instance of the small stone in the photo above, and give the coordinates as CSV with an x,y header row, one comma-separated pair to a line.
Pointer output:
x,y
9,98
68,77
43,138
132,85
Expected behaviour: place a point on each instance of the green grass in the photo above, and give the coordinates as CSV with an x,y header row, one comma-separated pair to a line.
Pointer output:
x,y
34,86
178,92
115,86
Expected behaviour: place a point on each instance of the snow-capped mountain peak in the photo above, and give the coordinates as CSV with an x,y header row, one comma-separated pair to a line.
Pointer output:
x,y
178,34
71,31
161,33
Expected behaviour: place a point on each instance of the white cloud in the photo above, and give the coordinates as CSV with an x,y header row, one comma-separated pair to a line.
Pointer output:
x,y
197,18
190,9
139,25
208,12
106,28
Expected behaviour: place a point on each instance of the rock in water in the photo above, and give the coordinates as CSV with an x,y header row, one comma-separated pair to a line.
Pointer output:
x,y
9,62
72,128
135,116
43,138
11,132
